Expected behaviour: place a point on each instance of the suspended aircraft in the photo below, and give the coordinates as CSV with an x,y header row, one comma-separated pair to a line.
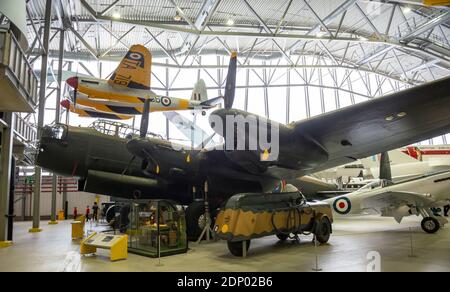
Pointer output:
x,y
128,88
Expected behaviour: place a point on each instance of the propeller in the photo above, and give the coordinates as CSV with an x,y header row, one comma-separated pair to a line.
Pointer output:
x,y
385,167
145,119
142,134
230,89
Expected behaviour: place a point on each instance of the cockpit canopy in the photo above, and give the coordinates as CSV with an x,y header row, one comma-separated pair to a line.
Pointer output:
x,y
380,183
56,132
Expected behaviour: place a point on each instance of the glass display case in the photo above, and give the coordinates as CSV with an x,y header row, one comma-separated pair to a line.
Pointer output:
x,y
157,228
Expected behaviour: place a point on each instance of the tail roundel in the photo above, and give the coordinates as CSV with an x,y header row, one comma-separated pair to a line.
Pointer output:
x,y
134,70
200,93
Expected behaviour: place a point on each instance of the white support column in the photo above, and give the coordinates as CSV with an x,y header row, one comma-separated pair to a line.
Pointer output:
x,y
42,98
5,156
57,120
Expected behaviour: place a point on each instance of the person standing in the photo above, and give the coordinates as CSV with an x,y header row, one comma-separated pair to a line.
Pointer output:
x,y
95,212
88,213
446,209
75,213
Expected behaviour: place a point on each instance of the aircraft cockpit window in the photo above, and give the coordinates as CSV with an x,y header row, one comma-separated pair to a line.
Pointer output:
x,y
371,186
57,132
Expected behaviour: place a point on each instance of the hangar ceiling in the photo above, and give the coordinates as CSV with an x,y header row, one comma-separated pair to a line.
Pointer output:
x,y
403,40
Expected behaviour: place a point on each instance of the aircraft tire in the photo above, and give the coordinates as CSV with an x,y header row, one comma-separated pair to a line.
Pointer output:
x,y
124,218
323,232
430,225
110,214
282,236
193,213
235,248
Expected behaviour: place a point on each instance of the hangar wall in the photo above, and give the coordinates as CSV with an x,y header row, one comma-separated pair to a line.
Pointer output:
x,y
78,199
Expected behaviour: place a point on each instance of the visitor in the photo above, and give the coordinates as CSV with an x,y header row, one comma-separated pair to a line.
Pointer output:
x,y
88,212
95,212
75,213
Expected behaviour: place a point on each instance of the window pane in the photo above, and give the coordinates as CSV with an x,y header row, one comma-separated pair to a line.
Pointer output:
x,y
277,104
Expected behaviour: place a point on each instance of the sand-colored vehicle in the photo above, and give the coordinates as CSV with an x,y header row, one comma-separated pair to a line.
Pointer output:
x,y
249,216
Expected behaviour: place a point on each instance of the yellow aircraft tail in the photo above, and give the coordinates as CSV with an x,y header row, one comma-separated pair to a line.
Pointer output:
x,y
134,70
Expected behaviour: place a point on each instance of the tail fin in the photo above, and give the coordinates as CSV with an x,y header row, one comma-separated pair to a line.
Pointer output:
x,y
135,70
200,93
385,167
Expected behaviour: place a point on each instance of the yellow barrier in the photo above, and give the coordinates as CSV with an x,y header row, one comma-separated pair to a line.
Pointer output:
x,y
61,216
78,228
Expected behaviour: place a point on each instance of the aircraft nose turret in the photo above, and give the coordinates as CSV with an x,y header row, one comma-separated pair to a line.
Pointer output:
x,y
73,82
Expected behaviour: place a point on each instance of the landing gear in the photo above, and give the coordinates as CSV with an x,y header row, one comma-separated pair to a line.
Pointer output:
x,y
282,236
430,225
124,218
195,219
110,214
236,247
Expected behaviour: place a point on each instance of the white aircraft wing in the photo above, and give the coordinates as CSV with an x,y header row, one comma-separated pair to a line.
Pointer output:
x,y
396,199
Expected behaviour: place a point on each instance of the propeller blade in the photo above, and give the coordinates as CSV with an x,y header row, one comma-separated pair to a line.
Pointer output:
x,y
230,89
145,119
385,167
129,165
75,98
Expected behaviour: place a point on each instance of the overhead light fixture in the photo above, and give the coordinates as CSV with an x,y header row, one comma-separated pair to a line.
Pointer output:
x,y
116,15
407,10
230,22
177,17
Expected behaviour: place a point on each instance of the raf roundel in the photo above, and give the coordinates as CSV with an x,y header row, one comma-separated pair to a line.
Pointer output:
x,y
135,56
166,101
342,206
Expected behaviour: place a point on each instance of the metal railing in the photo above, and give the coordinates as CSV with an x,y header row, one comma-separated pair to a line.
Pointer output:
x,y
24,131
17,67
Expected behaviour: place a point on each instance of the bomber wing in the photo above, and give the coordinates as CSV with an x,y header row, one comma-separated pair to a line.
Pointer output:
x,y
381,124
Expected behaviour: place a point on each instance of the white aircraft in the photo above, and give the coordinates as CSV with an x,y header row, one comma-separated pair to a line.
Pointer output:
x,y
403,166
412,197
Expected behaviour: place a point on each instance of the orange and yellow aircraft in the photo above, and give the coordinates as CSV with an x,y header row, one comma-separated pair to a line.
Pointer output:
x,y
124,94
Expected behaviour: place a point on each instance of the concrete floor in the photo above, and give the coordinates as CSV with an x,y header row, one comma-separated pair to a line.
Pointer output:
x,y
353,239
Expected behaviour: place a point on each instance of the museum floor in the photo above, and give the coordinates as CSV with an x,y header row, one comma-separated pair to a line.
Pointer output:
x,y
52,250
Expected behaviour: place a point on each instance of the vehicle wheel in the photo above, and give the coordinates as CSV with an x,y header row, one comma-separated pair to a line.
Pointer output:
x,y
430,225
235,248
124,218
195,220
110,213
282,236
323,230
